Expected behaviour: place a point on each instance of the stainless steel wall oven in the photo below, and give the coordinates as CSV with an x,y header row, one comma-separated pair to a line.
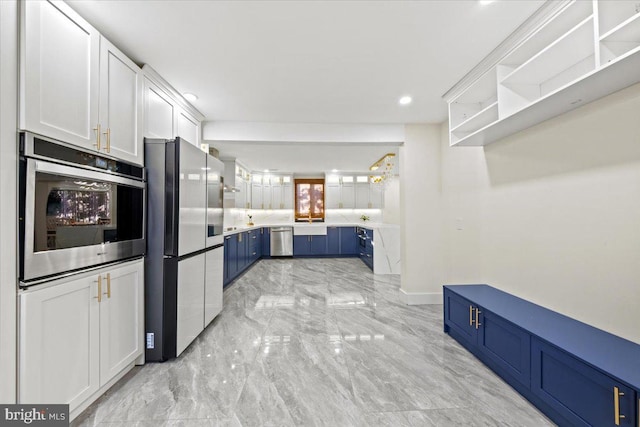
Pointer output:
x,y
77,209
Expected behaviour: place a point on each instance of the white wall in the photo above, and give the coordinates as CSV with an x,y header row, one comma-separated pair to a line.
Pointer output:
x,y
421,215
392,213
8,162
552,214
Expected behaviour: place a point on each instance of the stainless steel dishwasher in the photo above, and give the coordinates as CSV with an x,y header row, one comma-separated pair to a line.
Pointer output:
x,y
281,241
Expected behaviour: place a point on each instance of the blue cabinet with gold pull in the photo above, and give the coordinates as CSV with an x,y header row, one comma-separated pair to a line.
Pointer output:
x,y
576,374
504,346
583,395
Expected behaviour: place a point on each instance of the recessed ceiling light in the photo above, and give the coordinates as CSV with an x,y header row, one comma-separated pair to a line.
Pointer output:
x,y
405,100
266,170
334,170
483,2
190,97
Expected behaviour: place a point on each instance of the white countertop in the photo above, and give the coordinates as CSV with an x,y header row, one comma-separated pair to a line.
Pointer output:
x,y
317,225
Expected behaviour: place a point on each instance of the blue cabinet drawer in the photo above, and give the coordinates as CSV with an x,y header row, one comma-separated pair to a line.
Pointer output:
x,y
583,395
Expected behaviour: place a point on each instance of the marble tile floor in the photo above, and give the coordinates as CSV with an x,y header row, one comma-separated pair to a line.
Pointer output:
x,y
316,342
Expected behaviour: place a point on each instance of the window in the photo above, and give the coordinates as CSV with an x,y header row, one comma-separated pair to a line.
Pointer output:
x,y
309,199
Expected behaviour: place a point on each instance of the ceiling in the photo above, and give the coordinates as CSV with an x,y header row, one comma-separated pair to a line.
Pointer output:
x,y
310,61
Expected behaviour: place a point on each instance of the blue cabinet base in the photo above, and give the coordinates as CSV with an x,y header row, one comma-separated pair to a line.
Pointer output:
x,y
575,374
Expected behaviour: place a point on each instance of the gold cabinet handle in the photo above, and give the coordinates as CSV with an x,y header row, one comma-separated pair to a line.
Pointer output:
x,y
470,315
108,135
108,285
478,324
616,406
97,129
99,297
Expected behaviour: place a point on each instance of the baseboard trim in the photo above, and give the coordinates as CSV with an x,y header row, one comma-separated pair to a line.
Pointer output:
x,y
421,298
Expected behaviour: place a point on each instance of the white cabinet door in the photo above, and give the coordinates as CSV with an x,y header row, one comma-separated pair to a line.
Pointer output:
x,y
159,113
256,196
59,343
120,104
376,196
59,73
332,196
348,196
362,195
213,284
192,224
276,194
188,128
121,319
287,196
267,202
190,301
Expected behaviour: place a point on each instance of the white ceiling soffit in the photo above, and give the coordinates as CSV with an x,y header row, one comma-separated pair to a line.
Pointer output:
x,y
303,157
310,61
304,132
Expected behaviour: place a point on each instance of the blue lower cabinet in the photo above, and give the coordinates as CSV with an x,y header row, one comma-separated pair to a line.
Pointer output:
x,y
310,245
230,258
241,250
584,396
333,240
348,241
505,345
266,241
459,318
254,246
367,258
318,245
575,381
301,246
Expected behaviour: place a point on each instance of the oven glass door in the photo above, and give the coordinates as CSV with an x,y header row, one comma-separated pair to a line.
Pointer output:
x,y
75,218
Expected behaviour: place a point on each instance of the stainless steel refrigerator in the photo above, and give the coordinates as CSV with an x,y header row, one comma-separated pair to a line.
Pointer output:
x,y
185,251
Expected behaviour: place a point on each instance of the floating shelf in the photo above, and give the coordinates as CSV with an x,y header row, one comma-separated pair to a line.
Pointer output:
x,y
564,64
569,17
479,120
565,52
629,30
597,84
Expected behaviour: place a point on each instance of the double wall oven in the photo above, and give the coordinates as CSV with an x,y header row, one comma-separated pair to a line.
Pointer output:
x,y
77,209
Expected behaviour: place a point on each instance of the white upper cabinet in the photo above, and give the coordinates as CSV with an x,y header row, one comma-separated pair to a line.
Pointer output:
x,y
352,191
188,128
159,112
59,73
121,88
166,113
271,192
76,86
583,51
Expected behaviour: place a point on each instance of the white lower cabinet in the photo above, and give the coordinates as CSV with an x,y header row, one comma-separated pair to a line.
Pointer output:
x,y
78,333
213,284
190,320
121,319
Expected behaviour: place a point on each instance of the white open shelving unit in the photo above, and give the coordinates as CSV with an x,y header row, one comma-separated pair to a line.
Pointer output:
x,y
587,50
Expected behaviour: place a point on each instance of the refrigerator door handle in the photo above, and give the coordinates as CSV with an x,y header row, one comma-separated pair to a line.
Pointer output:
x,y
172,199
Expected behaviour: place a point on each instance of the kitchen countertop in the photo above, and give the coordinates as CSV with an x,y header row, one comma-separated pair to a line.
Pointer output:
x,y
370,226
